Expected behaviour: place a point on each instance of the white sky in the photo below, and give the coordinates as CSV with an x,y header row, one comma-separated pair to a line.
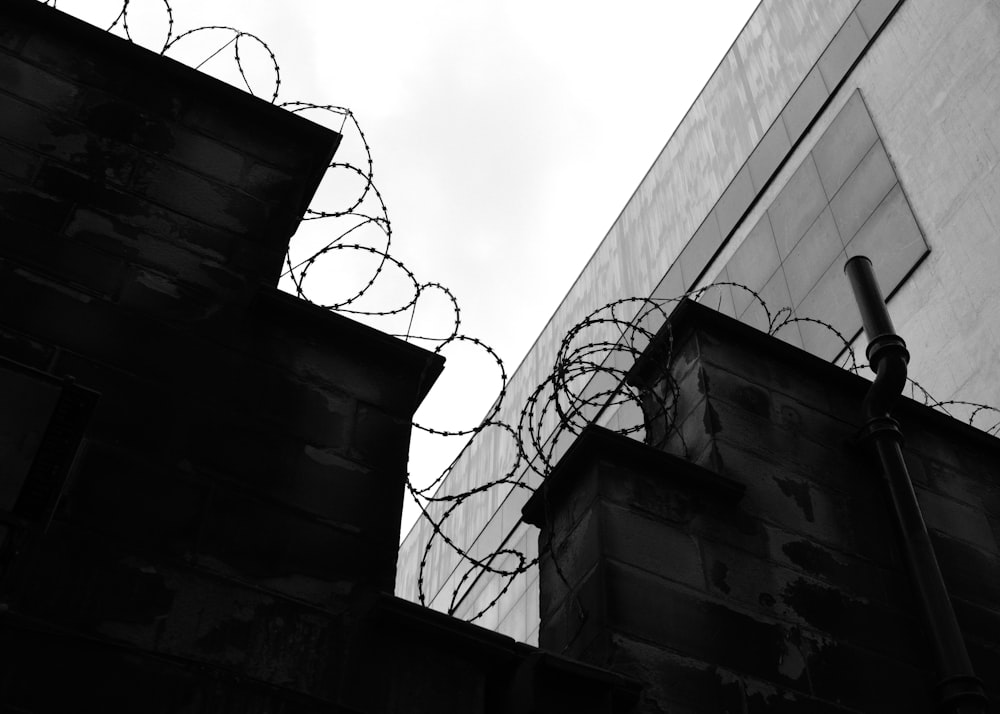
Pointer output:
x,y
507,136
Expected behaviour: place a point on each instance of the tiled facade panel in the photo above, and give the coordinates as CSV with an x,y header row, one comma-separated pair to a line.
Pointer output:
x,y
787,126
843,199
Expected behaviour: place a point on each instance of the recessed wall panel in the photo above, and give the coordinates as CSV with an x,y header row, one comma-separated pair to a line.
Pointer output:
x,y
868,214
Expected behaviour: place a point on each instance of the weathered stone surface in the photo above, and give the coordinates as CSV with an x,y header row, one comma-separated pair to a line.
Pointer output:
x,y
784,591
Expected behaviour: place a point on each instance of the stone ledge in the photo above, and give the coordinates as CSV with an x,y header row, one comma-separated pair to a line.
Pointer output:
x,y
595,444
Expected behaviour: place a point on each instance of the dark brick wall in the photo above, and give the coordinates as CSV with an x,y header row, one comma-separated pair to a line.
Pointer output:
x,y
754,567
136,177
240,483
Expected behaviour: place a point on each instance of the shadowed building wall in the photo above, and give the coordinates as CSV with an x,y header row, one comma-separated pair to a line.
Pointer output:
x,y
750,564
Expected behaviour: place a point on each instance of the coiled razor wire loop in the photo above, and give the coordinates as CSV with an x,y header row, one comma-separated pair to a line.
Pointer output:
x,y
587,378
122,19
234,40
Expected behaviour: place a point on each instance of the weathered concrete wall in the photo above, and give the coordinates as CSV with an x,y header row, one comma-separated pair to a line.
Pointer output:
x,y
760,572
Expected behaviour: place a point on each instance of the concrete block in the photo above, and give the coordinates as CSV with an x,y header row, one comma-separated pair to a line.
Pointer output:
x,y
742,393
380,439
65,260
22,348
246,138
861,679
802,601
27,206
969,573
957,520
231,443
737,357
204,200
110,117
644,606
324,418
331,363
292,545
763,699
570,560
847,570
323,482
51,51
945,480
81,579
802,442
129,498
924,442
574,504
13,37
17,163
670,498
115,679
103,233
216,160
28,126
165,297
779,496
689,435
580,619
266,182
807,418
660,548
158,238
674,682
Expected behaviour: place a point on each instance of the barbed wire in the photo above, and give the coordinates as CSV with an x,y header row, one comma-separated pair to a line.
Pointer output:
x,y
587,380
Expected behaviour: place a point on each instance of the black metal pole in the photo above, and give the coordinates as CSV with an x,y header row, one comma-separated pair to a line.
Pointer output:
x,y
958,690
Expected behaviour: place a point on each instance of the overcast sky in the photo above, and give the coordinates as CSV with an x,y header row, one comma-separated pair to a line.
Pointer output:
x,y
506,135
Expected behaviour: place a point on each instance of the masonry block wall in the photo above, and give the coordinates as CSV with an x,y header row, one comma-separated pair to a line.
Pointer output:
x,y
240,482
750,563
